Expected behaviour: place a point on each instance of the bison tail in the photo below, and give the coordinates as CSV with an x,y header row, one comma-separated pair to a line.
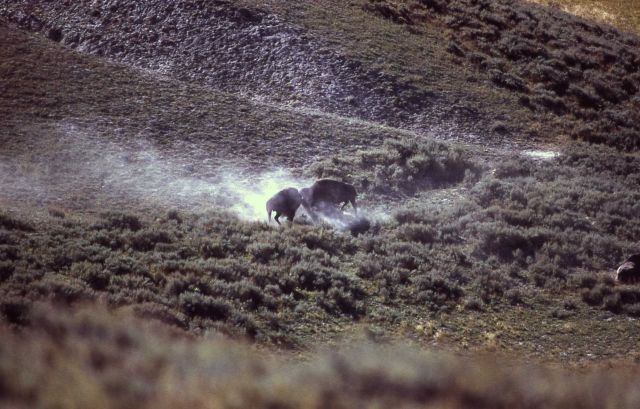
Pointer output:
x,y
269,210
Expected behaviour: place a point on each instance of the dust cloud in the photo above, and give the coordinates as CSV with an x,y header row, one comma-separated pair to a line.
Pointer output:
x,y
250,193
541,154
76,167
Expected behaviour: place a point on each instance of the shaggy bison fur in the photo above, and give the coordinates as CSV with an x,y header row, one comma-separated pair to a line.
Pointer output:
x,y
328,192
629,271
285,202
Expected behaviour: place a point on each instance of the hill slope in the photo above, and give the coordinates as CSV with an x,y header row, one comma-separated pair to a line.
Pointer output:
x,y
95,117
484,69
473,248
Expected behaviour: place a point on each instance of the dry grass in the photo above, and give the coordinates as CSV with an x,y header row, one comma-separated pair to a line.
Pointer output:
x,y
624,14
97,359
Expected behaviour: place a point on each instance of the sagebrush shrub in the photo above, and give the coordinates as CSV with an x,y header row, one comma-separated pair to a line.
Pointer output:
x,y
195,304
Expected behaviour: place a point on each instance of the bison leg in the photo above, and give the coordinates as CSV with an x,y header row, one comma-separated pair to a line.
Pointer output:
x,y
310,212
277,217
353,203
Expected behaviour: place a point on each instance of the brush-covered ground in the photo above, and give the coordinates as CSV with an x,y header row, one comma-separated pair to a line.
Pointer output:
x,y
132,135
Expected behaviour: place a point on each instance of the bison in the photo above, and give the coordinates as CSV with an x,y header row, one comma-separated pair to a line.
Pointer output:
x,y
285,202
629,271
327,192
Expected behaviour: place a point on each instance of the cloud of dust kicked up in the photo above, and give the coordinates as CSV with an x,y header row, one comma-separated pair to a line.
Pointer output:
x,y
250,194
77,168
72,166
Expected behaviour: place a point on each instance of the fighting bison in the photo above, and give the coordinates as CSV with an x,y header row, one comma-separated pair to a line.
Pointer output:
x,y
285,202
629,271
325,193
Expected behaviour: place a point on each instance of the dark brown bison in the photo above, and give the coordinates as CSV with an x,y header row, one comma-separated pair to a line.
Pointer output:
x,y
285,202
629,271
325,193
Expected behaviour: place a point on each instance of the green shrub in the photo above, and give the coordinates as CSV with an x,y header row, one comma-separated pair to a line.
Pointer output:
x,y
338,300
264,252
10,222
162,313
147,239
401,167
417,232
595,295
474,304
119,221
6,270
121,264
436,292
212,249
313,277
514,296
61,289
91,273
195,304
561,314
369,268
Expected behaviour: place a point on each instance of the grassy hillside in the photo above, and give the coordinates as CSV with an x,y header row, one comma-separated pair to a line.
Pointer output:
x,y
529,245
47,85
94,359
508,70
574,69
75,129
140,141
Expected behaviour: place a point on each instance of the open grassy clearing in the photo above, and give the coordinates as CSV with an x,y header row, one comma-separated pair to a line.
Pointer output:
x,y
623,14
47,87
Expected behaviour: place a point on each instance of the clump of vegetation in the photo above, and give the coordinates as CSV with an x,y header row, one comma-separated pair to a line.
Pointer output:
x,y
523,48
9,222
526,231
526,225
602,291
401,167
204,273
122,361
